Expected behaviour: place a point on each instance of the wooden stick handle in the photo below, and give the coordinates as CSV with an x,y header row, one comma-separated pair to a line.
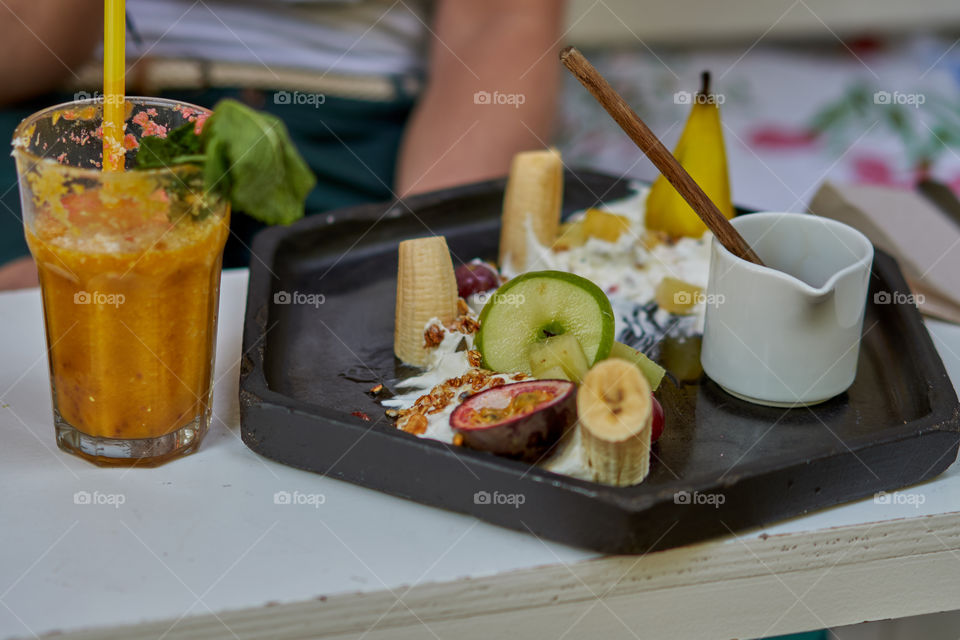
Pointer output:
x,y
659,155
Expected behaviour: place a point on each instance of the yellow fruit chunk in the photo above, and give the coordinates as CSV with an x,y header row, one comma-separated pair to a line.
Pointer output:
x,y
682,357
604,225
570,235
653,239
676,296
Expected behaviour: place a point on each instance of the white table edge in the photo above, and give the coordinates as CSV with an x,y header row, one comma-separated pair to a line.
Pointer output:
x,y
738,590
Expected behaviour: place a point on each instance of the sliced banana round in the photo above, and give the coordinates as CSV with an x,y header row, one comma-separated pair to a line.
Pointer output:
x,y
615,415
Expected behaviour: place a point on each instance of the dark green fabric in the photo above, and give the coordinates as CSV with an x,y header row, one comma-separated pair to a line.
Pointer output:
x,y
12,243
810,635
350,144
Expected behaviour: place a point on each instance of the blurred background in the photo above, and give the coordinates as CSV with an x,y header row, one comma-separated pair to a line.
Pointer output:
x,y
855,91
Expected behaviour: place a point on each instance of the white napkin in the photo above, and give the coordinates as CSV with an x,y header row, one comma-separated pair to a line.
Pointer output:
x,y
905,224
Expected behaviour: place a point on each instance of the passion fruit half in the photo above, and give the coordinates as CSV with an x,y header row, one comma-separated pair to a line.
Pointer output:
x,y
521,420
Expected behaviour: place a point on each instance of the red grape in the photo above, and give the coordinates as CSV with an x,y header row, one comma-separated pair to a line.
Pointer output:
x,y
476,277
657,421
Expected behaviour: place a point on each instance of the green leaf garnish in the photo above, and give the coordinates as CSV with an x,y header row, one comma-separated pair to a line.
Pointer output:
x,y
247,157
181,145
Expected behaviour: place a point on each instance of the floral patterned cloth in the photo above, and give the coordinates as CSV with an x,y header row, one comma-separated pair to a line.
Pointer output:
x,y
879,112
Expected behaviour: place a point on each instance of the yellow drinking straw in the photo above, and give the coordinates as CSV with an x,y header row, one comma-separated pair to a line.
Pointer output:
x,y
114,111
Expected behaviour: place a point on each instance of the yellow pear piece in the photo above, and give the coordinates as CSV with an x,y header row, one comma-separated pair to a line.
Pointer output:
x,y
426,289
702,153
533,198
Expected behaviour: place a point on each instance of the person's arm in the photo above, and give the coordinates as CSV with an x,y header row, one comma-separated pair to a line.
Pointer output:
x,y
508,50
18,274
41,41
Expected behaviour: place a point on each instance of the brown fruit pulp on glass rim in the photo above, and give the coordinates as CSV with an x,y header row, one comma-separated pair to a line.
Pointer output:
x,y
135,360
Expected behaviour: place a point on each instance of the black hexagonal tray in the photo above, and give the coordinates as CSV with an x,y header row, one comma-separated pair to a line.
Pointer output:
x,y
722,464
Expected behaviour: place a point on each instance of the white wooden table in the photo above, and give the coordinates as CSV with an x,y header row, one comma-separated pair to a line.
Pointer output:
x,y
199,549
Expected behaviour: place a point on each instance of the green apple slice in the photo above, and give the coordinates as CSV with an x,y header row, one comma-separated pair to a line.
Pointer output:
x,y
538,305
651,370
561,352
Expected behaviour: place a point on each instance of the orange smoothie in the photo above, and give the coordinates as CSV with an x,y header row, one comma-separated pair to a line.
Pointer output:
x,y
130,296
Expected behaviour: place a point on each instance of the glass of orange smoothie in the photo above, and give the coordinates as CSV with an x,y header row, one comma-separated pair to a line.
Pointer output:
x,y
129,265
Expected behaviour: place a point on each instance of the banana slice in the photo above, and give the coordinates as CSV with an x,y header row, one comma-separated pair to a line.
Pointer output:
x,y
534,192
615,413
426,288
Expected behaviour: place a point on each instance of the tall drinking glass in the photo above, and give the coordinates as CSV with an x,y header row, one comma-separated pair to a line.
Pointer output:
x,y
129,265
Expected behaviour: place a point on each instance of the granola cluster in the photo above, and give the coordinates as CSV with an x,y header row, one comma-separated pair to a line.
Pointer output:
x,y
433,336
474,358
414,419
464,323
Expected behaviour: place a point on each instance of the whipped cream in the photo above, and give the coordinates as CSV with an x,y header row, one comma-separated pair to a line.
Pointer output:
x,y
447,360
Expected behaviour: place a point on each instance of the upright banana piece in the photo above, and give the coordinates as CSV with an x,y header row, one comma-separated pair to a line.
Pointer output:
x,y
701,152
616,416
534,193
426,288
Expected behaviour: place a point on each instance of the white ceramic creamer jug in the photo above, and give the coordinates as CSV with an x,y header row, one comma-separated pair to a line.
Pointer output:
x,y
787,334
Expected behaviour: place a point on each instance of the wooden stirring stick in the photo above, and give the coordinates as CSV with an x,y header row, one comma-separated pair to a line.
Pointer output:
x,y
659,155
